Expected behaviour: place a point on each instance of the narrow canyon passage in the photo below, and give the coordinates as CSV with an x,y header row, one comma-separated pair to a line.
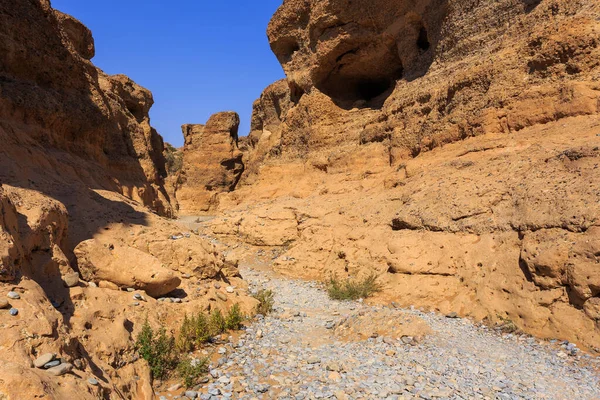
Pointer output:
x,y
312,347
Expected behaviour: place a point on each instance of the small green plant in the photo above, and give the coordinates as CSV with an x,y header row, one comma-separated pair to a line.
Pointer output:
x,y
190,370
158,349
353,290
234,318
265,301
217,322
506,325
186,339
202,329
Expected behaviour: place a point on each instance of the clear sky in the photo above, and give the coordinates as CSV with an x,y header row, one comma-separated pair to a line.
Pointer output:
x,y
197,57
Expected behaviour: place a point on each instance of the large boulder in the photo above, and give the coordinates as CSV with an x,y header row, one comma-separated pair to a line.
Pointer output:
x,y
124,266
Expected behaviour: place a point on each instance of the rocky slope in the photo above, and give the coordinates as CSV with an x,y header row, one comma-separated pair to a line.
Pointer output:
x,y
451,147
81,191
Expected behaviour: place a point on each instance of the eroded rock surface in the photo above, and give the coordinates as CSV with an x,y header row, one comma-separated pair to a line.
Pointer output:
x,y
81,164
450,147
212,163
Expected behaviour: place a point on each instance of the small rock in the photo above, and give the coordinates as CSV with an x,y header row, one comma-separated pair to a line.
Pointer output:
x,y
222,350
13,295
333,366
221,296
130,289
190,394
52,364
264,388
60,369
13,312
407,339
174,388
313,360
330,325
186,276
92,284
217,286
259,333
176,300
229,289
4,304
138,296
71,280
452,315
93,381
44,359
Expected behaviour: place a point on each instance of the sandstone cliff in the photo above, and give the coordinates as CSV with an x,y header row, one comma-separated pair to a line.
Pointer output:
x,y
212,163
450,146
81,184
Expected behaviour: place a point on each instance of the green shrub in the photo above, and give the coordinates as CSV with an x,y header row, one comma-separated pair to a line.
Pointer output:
x,y
158,349
202,329
191,370
266,301
186,339
353,290
234,318
217,323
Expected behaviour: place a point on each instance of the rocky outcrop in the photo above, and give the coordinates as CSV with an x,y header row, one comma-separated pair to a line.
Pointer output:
x,y
80,164
70,116
448,146
395,79
212,163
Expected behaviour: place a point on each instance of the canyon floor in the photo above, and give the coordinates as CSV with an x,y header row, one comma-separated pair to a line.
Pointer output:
x,y
312,347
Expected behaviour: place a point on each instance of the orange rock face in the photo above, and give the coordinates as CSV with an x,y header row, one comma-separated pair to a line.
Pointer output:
x,y
80,168
212,163
451,148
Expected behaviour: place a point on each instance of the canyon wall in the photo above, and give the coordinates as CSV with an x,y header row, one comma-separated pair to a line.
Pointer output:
x,y
449,146
81,200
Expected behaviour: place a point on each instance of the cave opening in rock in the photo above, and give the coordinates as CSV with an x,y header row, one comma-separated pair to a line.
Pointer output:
x,y
423,40
362,77
368,89
285,49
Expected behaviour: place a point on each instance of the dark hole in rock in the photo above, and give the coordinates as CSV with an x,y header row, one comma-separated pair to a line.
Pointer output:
x,y
296,92
285,49
423,39
368,89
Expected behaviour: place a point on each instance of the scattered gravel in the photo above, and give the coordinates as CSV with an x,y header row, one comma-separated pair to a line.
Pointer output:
x,y
291,354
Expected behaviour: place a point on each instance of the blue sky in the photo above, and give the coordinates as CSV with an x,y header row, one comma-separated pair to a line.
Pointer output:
x,y
197,57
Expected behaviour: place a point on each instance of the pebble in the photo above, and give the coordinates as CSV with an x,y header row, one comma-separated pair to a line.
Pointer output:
x,y
297,358
60,369
43,360
52,364
93,381
13,295
229,289
13,312
4,304
174,388
138,296
221,296
71,280
190,394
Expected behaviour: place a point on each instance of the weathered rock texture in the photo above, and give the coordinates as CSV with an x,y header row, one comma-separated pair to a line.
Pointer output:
x,y
212,163
450,146
68,115
80,168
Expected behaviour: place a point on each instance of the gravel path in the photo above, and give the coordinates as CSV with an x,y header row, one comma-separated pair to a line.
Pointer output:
x,y
293,354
